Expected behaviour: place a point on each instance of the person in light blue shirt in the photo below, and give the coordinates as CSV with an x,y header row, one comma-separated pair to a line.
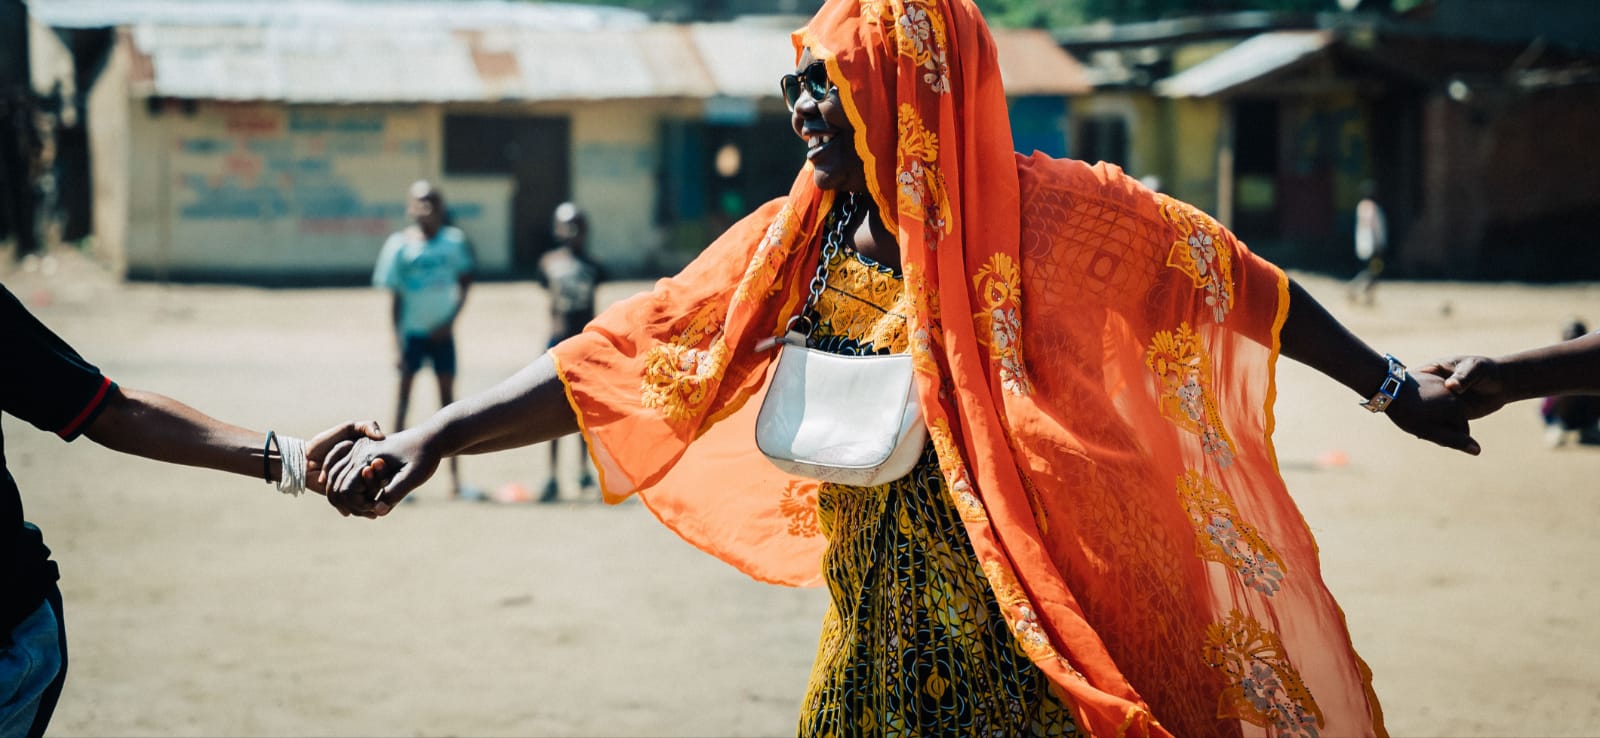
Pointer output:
x,y
428,267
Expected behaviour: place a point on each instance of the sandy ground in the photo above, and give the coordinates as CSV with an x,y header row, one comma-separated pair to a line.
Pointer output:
x,y
206,605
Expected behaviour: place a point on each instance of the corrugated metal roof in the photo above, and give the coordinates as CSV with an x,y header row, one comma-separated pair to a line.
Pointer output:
x,y
420,64
310,14
746,58
1252,59
367,51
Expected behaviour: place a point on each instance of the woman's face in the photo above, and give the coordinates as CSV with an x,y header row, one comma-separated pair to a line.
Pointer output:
x,y
829,138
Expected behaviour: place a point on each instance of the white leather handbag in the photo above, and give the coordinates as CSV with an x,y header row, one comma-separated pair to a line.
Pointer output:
x,y
852,420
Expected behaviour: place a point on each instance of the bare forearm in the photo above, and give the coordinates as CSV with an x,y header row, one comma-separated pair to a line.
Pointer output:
x,y
158,427
528,407
1313,337
1568,367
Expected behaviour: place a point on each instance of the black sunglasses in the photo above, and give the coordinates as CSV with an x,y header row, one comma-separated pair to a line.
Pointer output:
x,y
813,79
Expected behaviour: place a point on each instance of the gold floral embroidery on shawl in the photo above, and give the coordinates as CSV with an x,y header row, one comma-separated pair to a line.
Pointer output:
x,y
999,327
799,505
1221,536
1185,373
922,191
925,345
680,373
966,501
1202,252
944,444
1263,687
917,31
878,12
762,273
1019,612
922,37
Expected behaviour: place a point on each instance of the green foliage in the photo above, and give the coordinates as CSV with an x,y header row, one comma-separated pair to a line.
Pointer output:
x,y
1036,13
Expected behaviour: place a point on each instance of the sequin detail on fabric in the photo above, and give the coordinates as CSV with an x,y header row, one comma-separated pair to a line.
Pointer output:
x,y
999,293
1201,252
922,37
1221,536
922,192
1184,370
1263,687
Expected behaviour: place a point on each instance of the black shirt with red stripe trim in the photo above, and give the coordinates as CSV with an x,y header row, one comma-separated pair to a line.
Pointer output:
x,y
47,384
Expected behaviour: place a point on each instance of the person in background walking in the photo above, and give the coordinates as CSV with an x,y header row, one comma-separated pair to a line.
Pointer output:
x,y
1372,242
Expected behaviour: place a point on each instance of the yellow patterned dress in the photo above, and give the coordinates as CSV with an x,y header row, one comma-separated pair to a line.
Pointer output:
x,y
913,642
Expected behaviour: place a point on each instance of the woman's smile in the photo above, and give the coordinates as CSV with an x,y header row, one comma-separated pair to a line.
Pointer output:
x,y
816,143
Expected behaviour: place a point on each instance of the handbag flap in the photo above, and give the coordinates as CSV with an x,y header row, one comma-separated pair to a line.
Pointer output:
x,y
843,411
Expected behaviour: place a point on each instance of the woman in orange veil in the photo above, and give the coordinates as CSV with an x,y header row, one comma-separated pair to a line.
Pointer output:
x,y
1098,539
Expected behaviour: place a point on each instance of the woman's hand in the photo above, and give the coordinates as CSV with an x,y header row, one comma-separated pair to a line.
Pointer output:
x,y
369,478
1427,409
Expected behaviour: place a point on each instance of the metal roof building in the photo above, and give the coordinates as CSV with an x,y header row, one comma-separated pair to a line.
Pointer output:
x,y
354,51
277,138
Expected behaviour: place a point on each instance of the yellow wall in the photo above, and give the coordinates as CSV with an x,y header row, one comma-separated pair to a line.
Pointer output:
x,y
615,160
1173,140
1196,134
283,190
267,190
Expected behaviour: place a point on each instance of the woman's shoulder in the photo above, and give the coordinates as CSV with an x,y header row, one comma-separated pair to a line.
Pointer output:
x,y
1071,186
1101,179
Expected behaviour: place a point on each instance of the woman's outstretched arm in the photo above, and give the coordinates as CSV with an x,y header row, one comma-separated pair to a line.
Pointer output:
x,y
1423,406
526,408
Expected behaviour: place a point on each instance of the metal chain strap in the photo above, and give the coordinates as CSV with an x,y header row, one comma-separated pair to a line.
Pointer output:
x,y
830,249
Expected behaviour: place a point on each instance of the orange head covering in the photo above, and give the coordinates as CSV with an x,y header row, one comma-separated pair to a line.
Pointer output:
x,y
1095,365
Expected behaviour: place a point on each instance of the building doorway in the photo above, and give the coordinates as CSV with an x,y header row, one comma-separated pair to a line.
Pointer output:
x,y
535,152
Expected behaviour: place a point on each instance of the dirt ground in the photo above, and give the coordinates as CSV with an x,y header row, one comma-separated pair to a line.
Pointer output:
x,y
201,604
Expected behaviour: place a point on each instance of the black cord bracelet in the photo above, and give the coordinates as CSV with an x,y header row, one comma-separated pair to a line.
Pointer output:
x,y
266,457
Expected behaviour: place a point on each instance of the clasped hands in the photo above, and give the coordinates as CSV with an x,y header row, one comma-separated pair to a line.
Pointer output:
x,y
1444,395
369,475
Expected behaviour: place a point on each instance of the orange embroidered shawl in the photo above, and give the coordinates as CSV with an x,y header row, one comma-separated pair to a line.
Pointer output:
x,y
1096,366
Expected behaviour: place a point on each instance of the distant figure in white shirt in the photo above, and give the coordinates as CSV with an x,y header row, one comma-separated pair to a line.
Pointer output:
x,y
1372,242
428,267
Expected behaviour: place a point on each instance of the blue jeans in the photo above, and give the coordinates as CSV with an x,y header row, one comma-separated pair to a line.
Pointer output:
x,y
32,669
